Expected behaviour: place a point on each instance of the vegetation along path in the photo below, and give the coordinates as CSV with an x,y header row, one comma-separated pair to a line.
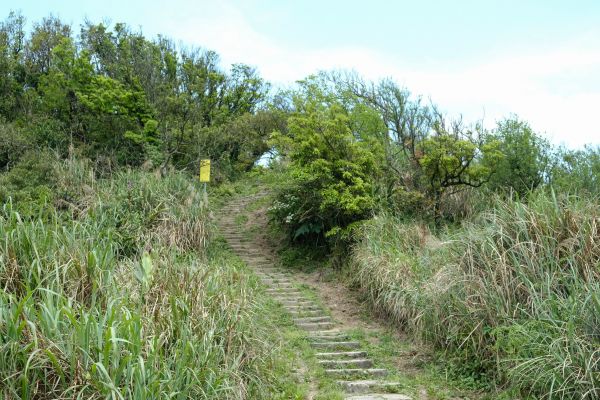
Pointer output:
x,y
345,362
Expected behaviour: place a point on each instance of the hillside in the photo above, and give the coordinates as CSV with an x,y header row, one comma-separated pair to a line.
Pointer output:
x,y
353,241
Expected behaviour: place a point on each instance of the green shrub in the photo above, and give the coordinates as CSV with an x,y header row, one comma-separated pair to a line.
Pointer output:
x,y
526,160
577,171
332,166
30,183
13,144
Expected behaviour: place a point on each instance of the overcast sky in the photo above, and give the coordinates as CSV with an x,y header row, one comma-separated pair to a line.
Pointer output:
x,y
539,59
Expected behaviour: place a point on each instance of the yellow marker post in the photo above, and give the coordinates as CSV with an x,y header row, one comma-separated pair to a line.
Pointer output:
x,y
204,171
204,177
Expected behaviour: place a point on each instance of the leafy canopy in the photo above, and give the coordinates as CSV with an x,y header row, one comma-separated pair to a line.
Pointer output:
x,y
334,157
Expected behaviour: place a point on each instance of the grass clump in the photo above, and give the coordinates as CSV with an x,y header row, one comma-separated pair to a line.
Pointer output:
x,y
511,297
122,294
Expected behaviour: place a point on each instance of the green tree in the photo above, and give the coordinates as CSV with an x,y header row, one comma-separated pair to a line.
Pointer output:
x,y
334,157
577,171
12,42
454,160
46,35
526,157
99,110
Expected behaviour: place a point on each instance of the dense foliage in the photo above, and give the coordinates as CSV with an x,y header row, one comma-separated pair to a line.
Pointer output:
x,y
121,298
334,158
508,293
123,99
483,242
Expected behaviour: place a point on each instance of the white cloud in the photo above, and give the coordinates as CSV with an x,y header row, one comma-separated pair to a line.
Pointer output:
x,y
543,87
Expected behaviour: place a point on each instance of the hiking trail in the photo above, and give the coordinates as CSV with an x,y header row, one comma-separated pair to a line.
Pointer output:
x,y
341,357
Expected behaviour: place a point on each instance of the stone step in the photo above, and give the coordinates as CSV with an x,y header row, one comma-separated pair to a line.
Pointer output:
x,y
292,299
247,251
313,326
236,246
330,335
282,287
269,268
272,276
284,291
278,282
336,345
312,318
329,339
289,300
357,372
366,386
379,396
270,271
305,313
342,355
342,364
296,299
279,285
301,308
278,278
296,302
289,294
258,263
324,318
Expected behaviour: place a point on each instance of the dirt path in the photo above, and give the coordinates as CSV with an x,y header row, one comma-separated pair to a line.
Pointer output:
x,y
361,357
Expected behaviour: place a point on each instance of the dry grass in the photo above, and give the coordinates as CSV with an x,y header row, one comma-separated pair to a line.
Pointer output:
x,y
511,296
123,298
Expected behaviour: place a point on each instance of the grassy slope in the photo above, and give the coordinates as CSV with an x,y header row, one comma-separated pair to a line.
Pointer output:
x,y
117,296
511,298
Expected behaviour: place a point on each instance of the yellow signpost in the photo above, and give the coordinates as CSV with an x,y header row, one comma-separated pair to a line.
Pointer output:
x,y
204,177
204,171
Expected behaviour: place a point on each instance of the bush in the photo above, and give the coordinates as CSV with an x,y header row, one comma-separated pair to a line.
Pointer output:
x,y
577,171
30,182
526,158
13,144
332,167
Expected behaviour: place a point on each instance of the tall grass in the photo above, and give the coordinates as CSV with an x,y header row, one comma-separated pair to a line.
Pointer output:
x,y
512,296
121,298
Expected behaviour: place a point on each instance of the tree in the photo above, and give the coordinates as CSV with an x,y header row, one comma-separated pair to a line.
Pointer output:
x,y
577,170
407,119
526,158
38,51
110,117
333,162
453,160
12,35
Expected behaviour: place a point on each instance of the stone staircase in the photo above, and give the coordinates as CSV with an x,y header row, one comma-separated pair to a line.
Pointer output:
x,y
340,356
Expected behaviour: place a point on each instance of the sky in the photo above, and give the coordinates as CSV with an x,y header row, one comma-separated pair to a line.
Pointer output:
x,y
479,59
